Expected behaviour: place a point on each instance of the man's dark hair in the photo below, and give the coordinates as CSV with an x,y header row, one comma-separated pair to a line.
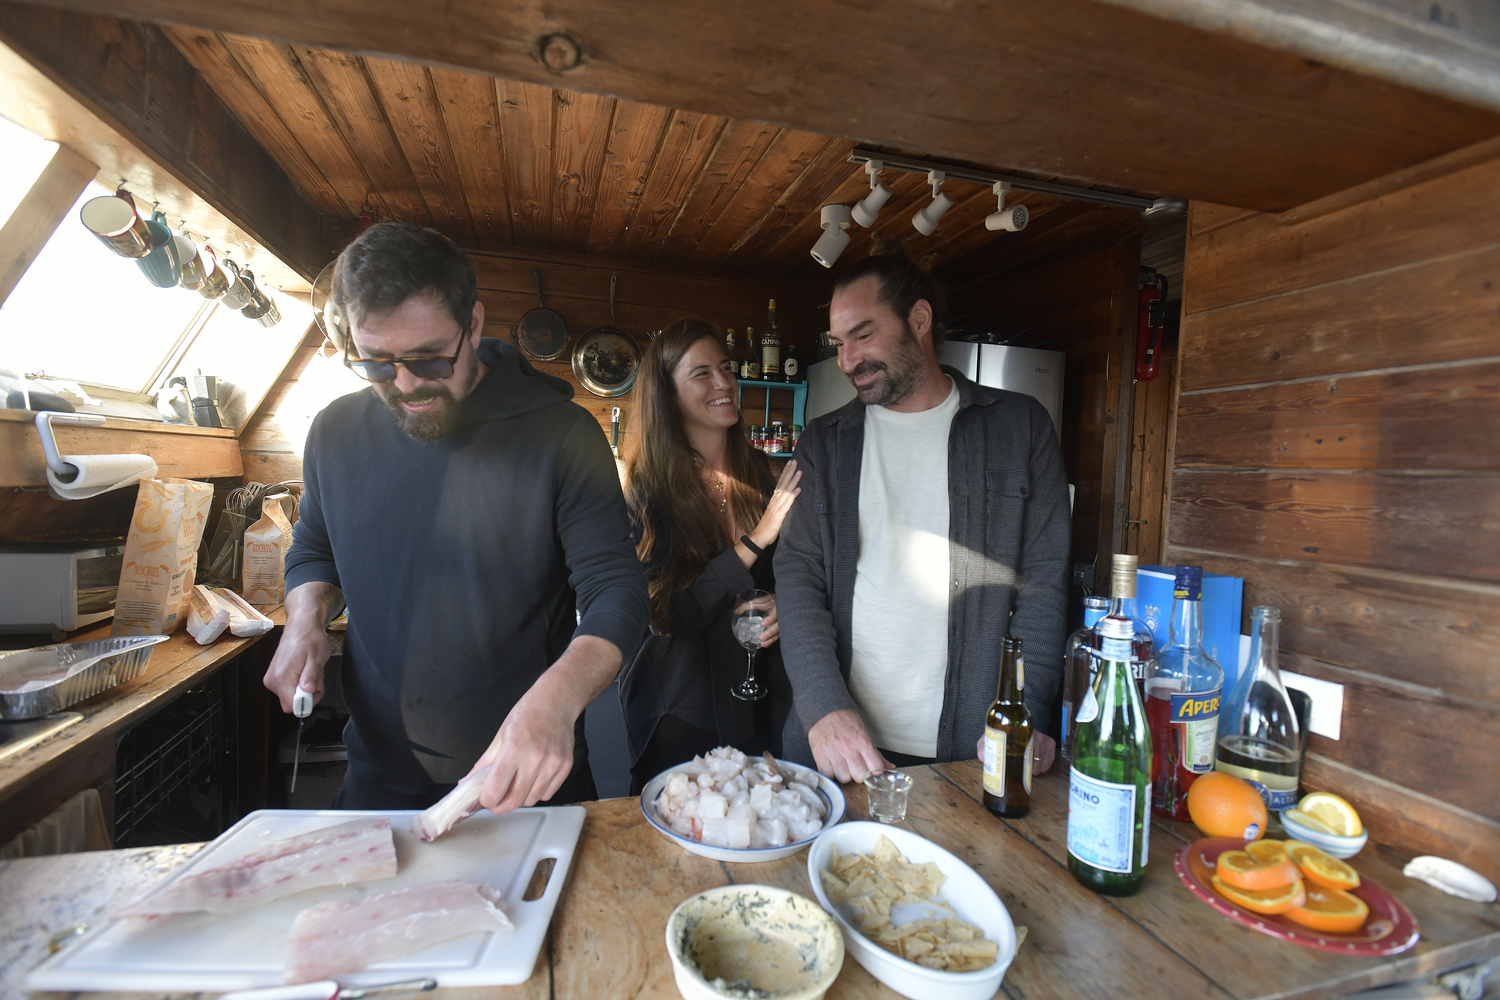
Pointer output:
x,y
899,282
392,261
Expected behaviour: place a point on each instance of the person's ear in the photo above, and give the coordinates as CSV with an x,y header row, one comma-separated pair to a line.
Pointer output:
x,y
476,326
920,319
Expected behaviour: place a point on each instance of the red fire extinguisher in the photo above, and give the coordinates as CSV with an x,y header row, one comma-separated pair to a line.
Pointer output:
x,y
1152,318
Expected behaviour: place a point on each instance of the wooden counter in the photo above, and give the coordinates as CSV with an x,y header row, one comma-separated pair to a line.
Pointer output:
x,y
607,935
35,781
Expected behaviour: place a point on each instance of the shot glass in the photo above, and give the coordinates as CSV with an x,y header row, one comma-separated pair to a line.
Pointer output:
x,y
887,791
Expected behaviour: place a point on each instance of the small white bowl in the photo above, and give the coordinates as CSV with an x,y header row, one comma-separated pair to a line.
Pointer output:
x,y
833,797
968,894
739,939
1332,843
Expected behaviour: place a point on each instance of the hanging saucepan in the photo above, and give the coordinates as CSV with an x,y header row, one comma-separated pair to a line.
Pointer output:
x,y
606,359
541,335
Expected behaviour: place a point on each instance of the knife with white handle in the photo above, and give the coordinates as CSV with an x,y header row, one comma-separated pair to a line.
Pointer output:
x,y
327,989
302,706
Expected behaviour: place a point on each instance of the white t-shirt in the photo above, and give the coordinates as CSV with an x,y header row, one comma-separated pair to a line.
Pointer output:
x,y
901,580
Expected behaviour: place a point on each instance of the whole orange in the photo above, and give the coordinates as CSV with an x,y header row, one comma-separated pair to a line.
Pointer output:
x,y
1222,805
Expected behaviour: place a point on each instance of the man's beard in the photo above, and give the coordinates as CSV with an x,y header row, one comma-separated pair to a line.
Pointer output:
x,y
434,424
898,379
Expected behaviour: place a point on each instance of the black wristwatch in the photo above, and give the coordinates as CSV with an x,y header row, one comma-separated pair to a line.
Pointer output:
x,y
752,546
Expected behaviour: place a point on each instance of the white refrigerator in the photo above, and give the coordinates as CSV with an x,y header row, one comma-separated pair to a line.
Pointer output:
x,y
1035,372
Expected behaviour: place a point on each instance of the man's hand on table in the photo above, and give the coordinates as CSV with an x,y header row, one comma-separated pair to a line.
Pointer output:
x,y
1043,752
842,747
532,754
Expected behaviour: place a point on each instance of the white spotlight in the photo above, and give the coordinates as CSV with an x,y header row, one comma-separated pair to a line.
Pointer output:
x,y
926,220
1012,219
835,222
865,210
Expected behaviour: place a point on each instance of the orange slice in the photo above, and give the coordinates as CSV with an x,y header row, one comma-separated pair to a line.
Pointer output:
x,y
1330,910
1266,850
1278,900
1242,871
1324,869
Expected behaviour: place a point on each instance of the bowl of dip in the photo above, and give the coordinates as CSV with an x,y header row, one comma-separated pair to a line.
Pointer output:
x,y
753,942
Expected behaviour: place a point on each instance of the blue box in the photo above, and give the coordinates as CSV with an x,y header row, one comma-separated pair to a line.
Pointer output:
x,y
1222,597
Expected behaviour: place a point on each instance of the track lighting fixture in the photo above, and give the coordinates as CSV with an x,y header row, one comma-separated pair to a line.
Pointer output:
x,y
926,220
865,210
1011,219
835,222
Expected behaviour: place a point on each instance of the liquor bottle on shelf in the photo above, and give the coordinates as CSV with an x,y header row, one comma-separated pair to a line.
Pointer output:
x,y
770,347
1259,737
1078,669
791,368
1109,782
732,350
1182,701
1122,605
751,367
1008,739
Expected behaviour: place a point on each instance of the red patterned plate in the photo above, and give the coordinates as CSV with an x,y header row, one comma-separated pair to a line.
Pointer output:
x,y
1390,929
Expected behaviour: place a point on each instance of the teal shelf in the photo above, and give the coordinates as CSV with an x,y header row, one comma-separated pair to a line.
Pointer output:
x,y
799,400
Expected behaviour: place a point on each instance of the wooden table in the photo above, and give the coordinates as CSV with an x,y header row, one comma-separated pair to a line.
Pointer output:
x,y
36,780
608,934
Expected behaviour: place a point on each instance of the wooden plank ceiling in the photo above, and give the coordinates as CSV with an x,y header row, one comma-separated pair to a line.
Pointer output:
x,y
499,162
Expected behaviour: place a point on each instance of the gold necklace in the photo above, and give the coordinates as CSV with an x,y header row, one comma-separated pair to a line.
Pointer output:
x,y
723,500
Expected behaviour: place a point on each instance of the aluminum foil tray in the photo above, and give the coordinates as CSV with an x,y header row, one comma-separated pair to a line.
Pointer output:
x,y
53,678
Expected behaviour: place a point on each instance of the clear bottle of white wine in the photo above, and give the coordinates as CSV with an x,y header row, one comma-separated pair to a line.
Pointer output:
x,y
1259,739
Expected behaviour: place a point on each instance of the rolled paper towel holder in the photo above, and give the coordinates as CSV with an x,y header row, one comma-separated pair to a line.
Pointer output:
x,y
66,471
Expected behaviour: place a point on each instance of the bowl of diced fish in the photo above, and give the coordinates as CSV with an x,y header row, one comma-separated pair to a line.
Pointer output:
x,y
913,914
729,807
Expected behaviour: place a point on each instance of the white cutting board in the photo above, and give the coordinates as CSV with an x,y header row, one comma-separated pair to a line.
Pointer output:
x,y
201,952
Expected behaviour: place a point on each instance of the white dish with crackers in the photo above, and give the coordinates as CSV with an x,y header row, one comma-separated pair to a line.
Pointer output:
x,y
960,909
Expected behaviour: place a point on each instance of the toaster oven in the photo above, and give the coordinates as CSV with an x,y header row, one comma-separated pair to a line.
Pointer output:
x,y
57,589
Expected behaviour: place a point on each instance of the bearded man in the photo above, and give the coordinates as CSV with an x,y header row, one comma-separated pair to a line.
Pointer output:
x,y
933,520
470,516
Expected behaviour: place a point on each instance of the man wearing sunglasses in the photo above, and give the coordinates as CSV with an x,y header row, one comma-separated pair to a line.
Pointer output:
x,y
469,514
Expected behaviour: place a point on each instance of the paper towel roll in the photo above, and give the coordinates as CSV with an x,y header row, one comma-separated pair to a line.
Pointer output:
x,y
100,474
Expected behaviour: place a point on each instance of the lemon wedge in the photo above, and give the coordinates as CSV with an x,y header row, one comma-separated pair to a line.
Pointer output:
x,y
1334,812
1310,821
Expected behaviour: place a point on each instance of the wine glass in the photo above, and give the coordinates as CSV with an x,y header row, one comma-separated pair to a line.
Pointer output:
x,y
750,610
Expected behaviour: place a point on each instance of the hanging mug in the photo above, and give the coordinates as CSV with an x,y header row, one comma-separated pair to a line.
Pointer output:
x,y
259,303
193,271
162,266
215,281
238,296
113,218
272,315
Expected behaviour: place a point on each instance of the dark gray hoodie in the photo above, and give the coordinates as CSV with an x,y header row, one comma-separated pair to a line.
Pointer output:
x,y
462,562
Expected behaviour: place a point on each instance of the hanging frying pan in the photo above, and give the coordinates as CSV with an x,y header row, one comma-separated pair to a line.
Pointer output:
x,y
541,335
606,359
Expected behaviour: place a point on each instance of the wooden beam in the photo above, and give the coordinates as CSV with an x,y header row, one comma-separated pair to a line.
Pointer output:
x,y
181,452
137,82
40,212
1082,89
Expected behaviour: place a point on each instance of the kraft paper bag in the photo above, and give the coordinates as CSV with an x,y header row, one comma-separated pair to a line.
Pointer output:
x,y
161,556
264,562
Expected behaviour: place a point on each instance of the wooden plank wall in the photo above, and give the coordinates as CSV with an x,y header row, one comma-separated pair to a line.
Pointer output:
x,y
649,297
1089,305
1336,447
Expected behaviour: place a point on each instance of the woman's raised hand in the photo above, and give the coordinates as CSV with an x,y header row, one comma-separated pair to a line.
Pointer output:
x,y
769,528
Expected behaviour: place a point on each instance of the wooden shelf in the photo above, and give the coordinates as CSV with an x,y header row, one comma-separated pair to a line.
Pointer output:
x,y
180,452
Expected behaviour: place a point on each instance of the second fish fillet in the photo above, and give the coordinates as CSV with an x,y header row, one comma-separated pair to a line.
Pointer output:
x,y
331,939
360,851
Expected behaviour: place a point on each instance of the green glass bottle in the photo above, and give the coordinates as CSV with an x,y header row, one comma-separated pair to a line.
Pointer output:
x,y
1109,785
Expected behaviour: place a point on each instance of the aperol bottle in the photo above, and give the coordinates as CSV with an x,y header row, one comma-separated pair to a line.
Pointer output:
x,y
1183,692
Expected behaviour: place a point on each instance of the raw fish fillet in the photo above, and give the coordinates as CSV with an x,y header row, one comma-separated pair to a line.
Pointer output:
x,y
443,815
337,855
332,939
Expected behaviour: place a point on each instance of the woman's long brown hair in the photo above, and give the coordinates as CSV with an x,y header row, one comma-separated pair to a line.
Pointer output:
x,y
680,527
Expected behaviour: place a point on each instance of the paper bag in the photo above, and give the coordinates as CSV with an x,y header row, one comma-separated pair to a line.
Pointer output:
x,y
264,562
161,556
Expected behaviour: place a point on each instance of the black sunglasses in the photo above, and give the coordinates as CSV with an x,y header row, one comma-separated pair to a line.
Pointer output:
x,y
434,367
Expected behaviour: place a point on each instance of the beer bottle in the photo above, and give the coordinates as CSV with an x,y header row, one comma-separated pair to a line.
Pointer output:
x,y
1008,739
1109,783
